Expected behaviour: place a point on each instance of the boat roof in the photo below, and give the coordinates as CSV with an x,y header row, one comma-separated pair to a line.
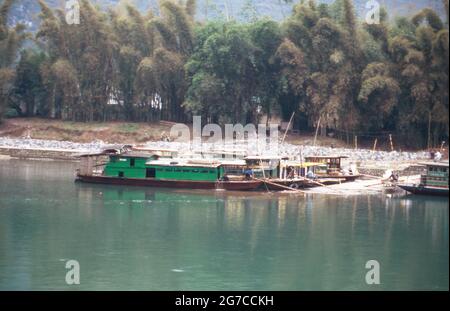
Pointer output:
x,y
232,162
197,162
327,157
136,155
86,155
302,164
439,164
140,148
223,162
183,163
266,158
226,152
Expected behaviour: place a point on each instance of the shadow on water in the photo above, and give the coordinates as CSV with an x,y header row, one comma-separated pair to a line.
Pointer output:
x,y
162,239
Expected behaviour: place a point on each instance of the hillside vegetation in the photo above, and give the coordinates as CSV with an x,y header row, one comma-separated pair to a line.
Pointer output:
x,y
27,11
322,62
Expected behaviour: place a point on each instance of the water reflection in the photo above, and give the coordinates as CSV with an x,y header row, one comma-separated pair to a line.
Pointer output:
x,y
309,238
162,239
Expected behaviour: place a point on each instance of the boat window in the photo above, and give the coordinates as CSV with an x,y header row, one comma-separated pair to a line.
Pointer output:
x,y
169,170
195,171
178,170
150,173
132,162
121,174
211,172
204,172
186,171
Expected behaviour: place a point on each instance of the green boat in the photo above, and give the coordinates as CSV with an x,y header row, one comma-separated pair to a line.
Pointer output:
x,y
136,168
433,182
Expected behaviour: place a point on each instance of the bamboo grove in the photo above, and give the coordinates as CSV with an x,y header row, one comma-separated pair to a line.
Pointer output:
x,y
321,62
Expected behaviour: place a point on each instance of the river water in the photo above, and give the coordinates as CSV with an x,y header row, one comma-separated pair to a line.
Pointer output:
x,y
159,239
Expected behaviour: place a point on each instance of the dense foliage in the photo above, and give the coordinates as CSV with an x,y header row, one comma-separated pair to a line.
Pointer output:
x,y
322,62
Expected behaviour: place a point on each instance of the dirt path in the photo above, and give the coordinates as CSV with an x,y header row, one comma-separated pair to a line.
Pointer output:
x,y
111,132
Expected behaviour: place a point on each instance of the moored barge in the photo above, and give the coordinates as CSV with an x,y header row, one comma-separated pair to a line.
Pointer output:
x,y
433,182
150,170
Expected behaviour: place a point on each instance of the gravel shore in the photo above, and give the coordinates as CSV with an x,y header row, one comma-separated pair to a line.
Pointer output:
x,y
29,143
359,156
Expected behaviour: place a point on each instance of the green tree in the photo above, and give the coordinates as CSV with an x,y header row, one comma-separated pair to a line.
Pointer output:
x,y
134,40
266,37
84,53
161,79
424,66
11,39
29,88
227,58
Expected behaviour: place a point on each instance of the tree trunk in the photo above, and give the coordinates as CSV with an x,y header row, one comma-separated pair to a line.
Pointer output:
x,y
429,130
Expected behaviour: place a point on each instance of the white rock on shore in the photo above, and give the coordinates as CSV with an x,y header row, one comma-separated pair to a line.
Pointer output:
x,y
28,143
360,155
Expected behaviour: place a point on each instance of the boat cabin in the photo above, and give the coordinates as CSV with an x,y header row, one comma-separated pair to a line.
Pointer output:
x,y
296,169
162,153
171,169
129,165
333,163
264,166
436,174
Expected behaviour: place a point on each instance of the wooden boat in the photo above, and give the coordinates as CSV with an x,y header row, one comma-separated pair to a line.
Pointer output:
x,y
433,182
280,173
144,169
331,168
295,175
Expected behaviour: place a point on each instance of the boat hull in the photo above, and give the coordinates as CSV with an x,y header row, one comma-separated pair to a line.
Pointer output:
x,y
425,190
247,185
282,184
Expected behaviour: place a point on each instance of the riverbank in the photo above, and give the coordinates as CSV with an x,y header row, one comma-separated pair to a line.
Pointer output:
x,y
36,138
116,132
81,132
369,162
